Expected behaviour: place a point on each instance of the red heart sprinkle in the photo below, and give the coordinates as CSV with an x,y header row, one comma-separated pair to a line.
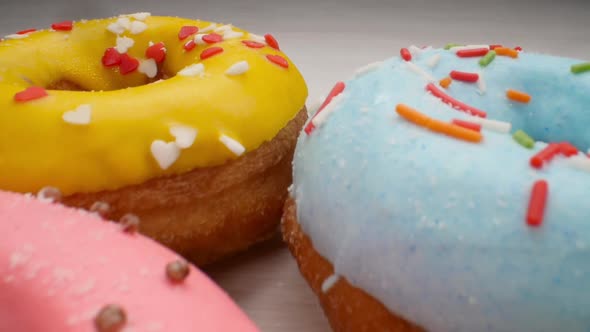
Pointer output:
x,y
278,60
190,45
271,41
186,31
30,93
210,52
24,32
63,26
252,44
212,38
111,57
156,52
128,64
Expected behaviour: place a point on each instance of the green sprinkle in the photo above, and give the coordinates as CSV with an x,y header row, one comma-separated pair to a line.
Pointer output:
x,y
523,139
580,67
487,59
449,45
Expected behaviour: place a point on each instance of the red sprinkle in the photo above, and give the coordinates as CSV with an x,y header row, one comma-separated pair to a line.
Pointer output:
x,y
494,46
567,149
30,93
189,45
111,57
472,52
336,90
63,26
518,48
186,31
405,53
252,44
211,51
454,102
24,32
545,155
278,60
128,64
467,124
271,41
156,52
212,38
538,200
464,76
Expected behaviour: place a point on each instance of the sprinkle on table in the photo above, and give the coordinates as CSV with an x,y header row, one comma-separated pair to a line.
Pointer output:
x,y
63,26
545,155
580,68
518,96
278,60
211,51
252,44
472,52
454,102
505,51
445,82
523,139
451,45
487,59
538,200
464,76
437,126
186,31
30,93
271,41
405,54
467,124
336,90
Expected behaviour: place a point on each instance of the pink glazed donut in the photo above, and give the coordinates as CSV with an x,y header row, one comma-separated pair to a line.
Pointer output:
x,y
65,270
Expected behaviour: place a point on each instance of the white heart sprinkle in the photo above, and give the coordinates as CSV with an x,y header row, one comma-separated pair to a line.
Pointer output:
x,y
209,28
17,36
232,34
79,116
125,22
238,68
165,153
192,70
116,28
185,136
124,44
233,145
148,67
137,27
257,38
141,16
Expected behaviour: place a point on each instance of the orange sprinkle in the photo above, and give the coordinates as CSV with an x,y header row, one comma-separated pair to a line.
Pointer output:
x,y
505,51
518,96
437,126
445,82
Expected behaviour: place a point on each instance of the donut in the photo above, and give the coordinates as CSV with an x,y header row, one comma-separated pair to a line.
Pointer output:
x,y
443,190
188,125
63,269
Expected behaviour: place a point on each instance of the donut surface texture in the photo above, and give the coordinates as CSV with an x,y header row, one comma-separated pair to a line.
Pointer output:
x,y
458,208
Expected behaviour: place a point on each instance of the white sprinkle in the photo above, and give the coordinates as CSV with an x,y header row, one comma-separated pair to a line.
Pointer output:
x,y
481,84
367,68
494,125
148,67
185,135
199,39
322,116
49,194
208,28
257,38
124,22
233,145
580,162
124,44
433,61
238,68
192,70
413,67
80,116
232,34
137,27
330,282
141,16
17,36
116,28
414,50
165,153
468,47
224,28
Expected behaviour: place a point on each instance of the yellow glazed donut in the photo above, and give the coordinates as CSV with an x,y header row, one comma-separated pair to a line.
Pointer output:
x,y
171,119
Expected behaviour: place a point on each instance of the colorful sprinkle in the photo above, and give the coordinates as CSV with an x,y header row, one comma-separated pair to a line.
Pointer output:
x,y
405,54
336,90
475,52
437,126
467,124
111,57
189,45
278,60
156,52
252,44
518,48
212,38
580,67
451,45
495,46
538,200
505,51
63,26
464,76
271,41
206,54
128,64
31,93
518,96
568,149
545,155
487,59
445,82
186,31
523,139
454,102
24,32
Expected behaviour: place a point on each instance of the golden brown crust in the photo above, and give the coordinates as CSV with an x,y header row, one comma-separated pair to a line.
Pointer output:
x,y
348,308
212,212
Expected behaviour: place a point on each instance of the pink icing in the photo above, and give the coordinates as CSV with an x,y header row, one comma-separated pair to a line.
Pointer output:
x,y
59,266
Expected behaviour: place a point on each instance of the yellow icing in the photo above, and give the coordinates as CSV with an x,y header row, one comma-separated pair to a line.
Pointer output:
x,y
38,148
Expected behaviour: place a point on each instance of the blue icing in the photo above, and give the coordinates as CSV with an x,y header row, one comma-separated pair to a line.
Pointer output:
x,y
434,227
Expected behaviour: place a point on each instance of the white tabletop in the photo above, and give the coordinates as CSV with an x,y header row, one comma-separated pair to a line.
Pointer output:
x,y
328,40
